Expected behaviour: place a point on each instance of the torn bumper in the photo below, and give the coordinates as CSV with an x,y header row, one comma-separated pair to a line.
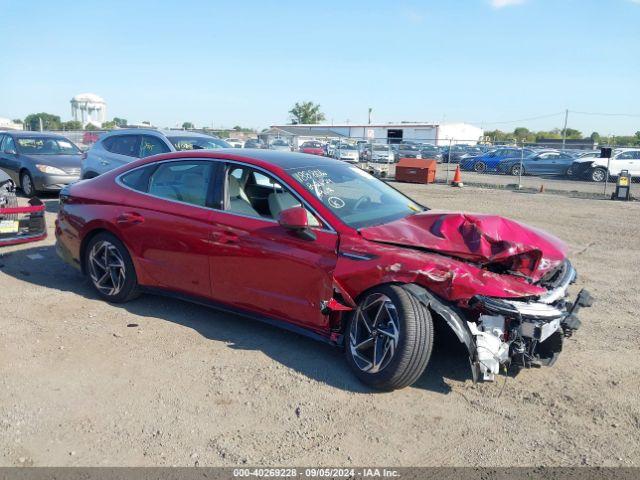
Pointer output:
x,y
499,332
22,224
526,332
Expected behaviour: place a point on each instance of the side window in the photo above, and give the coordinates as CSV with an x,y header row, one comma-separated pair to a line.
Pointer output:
x,y
186,181
256,194
9,144
138,179
151,146
125,145
626,155
1,142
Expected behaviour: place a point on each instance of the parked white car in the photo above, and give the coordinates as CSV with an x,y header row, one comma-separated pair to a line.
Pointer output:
x,y
347,152
595,169
235,142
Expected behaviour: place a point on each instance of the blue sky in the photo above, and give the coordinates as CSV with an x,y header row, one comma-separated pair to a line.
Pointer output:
x,y
228,63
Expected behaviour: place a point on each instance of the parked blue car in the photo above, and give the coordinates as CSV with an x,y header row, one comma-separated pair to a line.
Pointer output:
x,y
548,162
490,160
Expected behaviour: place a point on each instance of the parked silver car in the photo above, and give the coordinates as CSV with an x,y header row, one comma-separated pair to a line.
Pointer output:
x,y
124,146
39,161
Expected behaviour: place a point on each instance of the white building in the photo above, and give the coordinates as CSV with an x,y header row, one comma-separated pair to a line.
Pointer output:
x,y
460,133
89,108
6,124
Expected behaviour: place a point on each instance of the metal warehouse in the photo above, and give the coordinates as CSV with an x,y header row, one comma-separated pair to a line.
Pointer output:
x,y
438,134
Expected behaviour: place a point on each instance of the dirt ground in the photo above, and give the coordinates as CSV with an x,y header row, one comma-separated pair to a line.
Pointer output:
x,y
163,382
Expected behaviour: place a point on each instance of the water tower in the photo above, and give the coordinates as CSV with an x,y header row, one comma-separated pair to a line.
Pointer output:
x,y
89,108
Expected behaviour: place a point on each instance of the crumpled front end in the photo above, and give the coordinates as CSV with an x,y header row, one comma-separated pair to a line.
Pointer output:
x,y
20,224
525,332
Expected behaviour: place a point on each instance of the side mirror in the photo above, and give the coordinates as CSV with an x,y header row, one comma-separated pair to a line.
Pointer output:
x,y
10,151
296,220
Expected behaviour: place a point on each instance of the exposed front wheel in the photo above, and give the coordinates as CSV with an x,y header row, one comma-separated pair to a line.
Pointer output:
x,y
389,338
110,269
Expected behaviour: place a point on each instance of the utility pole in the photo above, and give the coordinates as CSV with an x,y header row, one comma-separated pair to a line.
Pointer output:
x,y
370,110
564,130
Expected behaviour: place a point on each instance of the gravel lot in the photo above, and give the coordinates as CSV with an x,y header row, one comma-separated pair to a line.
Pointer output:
x,y
162,382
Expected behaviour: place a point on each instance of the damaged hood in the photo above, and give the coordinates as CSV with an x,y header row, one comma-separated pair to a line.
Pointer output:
x,y
493,242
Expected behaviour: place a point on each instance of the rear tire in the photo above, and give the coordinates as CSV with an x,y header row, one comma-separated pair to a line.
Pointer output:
x,y
479,167
515,170
110,269
389,338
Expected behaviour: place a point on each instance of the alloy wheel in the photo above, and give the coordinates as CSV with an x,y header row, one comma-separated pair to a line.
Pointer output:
x,y
598,175
480,167
107,268
27,186
374,333
515,170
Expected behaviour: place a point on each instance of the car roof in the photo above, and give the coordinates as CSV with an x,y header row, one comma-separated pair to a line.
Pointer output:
x,y
157,132
31,133
281,159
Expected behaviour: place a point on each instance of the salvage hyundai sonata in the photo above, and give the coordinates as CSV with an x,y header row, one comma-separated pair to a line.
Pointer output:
x,y
321,247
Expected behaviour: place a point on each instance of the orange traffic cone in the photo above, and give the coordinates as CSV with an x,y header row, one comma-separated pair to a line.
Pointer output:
x,y
457,178
541,188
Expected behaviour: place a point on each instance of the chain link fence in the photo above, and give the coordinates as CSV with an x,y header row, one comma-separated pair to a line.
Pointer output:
x,y
576,169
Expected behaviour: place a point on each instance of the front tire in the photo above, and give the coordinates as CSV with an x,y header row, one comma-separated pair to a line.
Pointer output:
x,y
515,170
110,269
27,185
389,338
598,174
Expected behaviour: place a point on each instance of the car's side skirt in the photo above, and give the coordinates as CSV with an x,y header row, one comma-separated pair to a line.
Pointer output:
x,y
276,322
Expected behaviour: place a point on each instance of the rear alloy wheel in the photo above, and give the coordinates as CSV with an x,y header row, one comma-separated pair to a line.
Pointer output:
x,y
598,175
389,338
515,170
569,172
110,269
26,183
479,167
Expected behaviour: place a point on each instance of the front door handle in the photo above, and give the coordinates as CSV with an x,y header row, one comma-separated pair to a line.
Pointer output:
x,y
223,236
129,218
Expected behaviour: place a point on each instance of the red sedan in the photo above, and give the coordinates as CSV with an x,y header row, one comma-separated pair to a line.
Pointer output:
x,y
321,247
312,148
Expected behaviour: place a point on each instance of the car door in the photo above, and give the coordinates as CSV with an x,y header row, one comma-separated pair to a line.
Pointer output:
x,y
562,164
9,158
541,164
118,150
166,221
258,265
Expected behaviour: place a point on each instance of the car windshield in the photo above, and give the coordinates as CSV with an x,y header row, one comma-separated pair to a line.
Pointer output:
x,y
197,143
408,147
357,198
47,146
381,148
347,147
281,143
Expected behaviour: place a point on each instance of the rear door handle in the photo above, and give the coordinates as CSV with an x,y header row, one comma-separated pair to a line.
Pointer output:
x,y
129,218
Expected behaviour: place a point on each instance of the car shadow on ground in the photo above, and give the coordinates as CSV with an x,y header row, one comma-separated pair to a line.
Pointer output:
x,y
39,265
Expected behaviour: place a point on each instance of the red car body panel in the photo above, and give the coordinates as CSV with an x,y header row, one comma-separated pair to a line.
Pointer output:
x,y
257,265
312,151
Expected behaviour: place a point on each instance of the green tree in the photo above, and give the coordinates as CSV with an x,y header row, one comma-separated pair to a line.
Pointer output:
x,y
72,125
120,122
595,137
573,133
17,120
306,112
110,125
90,127
187,125
49,121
